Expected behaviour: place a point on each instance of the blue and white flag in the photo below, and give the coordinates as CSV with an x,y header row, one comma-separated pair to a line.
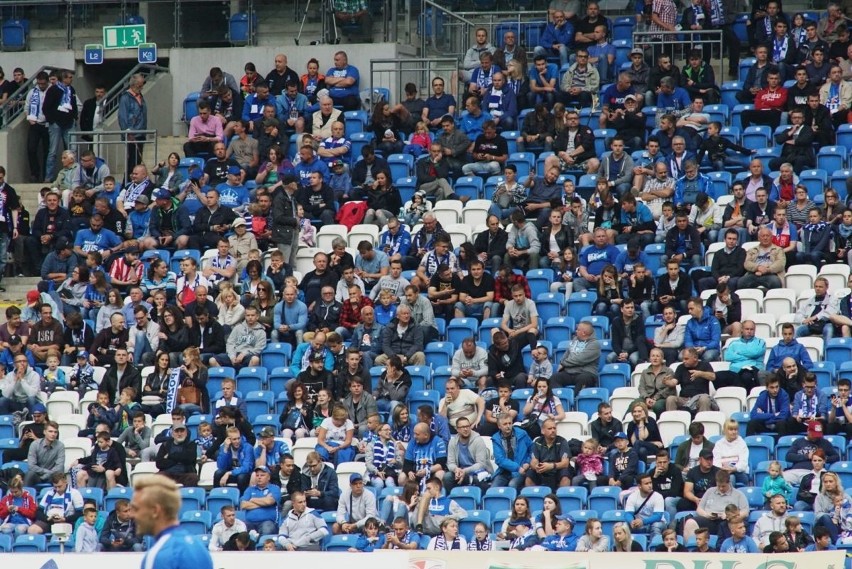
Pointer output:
x,y
172,393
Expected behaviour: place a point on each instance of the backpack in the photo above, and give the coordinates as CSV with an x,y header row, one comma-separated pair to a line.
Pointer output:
x,y
351,213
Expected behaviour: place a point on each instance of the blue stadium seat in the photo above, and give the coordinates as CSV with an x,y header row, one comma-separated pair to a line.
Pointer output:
x,y
485,328
844,135
96,494
29,543
613,376
440,375
422,397
401,165
539,281
240,28
192,498
439,354
340,542
838,350
600,324
612,517
535,495
252,379
524,162
736,114
422,373
491,184
745,64
116,494
7,427
359,140
832,158
572,497
729,92
470,186
756,137
557,329
784,444
580,304
760,448
354,121
468,497
406,186
721,183
588,400
622,28
815,181
278,378
219,497
511,137
497,499
549,305
276,354
5,543
460,328
601,136
259,403
721,113
196,522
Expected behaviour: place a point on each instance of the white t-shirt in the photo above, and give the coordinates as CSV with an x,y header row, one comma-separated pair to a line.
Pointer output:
x,y
463,406
335,433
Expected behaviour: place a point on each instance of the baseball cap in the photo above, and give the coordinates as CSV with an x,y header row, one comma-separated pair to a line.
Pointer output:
x,y
82,354
178,426
238,221
14,340
38,408
706,453
195,173
630,98
235,170
637,51
32,297
317,357
355,477
620,435
261,468
142,198
520,522
162,194
269,122
566,518
336,163
815,429
267,432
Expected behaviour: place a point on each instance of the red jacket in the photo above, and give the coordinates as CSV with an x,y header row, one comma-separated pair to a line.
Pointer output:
x,y
27,506
350,314
767,100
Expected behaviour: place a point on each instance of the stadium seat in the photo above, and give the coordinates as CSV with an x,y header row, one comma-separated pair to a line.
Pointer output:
x,y
29,543
438,354
196,522
815,181
468,497
589,398
613,376
832,158
756,137
549,305
572,497
539,281
220,497
497,499
460,328
535,496
581,304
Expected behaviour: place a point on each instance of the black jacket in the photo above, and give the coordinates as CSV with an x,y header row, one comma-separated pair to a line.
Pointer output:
x,y
510,363
388,200
693,242
428,171
205,220
285,228
324,316
583,137
734,310
50,107
114,529
177,458
618,332
213,335
563,239
497,246
310,200
56,224
359,170
410,343
683,290
801,148
130,378
176,341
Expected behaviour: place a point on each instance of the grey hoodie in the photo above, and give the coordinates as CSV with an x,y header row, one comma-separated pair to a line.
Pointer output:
x,y
302,531
28,387
582,357
478,451
245,340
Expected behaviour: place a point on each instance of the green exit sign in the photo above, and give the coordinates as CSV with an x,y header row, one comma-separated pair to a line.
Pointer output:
x,y
121,37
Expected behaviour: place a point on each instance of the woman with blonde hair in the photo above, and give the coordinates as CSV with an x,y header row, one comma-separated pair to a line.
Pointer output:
x,y
193,374
622,538
334,437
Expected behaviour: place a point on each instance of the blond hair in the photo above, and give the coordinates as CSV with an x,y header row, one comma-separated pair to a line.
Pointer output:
x,y
162,492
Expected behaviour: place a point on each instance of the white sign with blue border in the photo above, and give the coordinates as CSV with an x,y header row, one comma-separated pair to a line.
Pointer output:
x,y
147,53
94,54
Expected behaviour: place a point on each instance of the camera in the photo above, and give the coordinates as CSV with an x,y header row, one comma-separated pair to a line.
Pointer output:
x,y
61,532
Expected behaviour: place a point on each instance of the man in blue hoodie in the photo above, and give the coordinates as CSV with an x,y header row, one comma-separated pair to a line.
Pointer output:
x,y
788,347
557,39
703,331
235,462
745,355
512,452
770,411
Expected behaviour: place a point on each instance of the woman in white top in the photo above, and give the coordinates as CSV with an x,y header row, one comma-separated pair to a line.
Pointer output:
x,y
593,539
544,404
730,453
449,538
334,438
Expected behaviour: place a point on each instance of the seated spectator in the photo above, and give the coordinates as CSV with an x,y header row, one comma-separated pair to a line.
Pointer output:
x,y
647,506
628,336
580,140
580,82
602,54
522,245
673,289
557,39
814,315
782,48
204,131
468,462
703,331
542,81
739,542
102,468
699,79
694,376
500,104
482,76
712,506
771,409
593,259
303,529
441,104
612,99
671,98
489,151
769,103
226,528
579,366
235,461
549,464
796,145
764,264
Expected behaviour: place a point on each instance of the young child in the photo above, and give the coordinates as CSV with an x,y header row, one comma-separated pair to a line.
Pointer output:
x,y
540,366
666,222
82,376
775,483
797,538
277,272
340,181
385,311
205,438
480,541
715,146
624,463
307,232
420,140
95,296
54,378
370,539
95,262
100,411
670,544
125,409
269,545
383,462
111,191
589,466
79,209
87,540
252,255
416,208
292,281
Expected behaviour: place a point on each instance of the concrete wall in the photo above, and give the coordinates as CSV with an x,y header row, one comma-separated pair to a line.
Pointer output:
x,y
189,67
31,61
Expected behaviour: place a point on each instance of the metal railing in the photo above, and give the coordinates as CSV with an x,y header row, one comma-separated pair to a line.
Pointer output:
x,y
111,145
112,97
16,104
393,74
679,43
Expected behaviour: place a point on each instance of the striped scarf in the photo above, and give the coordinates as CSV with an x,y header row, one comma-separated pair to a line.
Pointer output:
x,y
477,545
442,545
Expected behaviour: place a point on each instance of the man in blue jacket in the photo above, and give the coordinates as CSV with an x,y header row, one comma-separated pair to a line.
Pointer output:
x,y
788,347
703,331
770,411
425,457
235,462
512,451
746,357
557,39
290,318
324,492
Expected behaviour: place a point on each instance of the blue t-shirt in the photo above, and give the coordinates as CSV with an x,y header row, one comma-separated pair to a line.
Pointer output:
x,y
426,455
552,72
745,545
678,100
439,107
613,98
88,240
348,71
176,548
303,171
263,513
232,196
273,456
595,259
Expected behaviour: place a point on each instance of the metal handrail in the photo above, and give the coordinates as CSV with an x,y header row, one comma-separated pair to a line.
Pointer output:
x,y
433,36
17,101
101,141
110,104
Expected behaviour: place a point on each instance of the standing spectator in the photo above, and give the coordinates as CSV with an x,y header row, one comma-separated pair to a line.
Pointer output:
x,y
60,113
133,115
